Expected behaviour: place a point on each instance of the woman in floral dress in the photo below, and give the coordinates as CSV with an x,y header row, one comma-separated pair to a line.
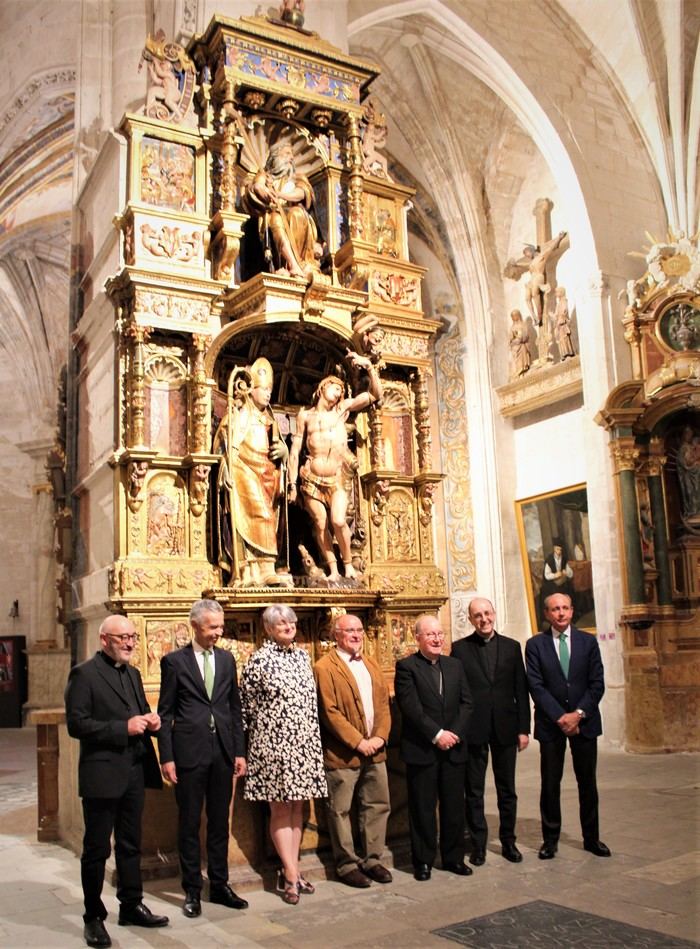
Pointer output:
x,y
285,760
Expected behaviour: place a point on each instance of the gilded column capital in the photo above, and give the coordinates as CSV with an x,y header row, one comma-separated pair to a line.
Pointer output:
x,y
625,455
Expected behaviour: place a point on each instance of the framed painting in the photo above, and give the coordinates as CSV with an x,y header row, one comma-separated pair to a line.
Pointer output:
x,y
555,549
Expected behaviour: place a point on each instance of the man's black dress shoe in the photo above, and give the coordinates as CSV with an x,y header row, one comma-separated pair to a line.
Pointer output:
x,y
96,935
192,906
511,852
460,869
547,851
421,872
597,847
140,915
225,896
478,857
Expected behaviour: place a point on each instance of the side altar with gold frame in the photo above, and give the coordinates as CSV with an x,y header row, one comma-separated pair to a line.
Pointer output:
x,y
654,425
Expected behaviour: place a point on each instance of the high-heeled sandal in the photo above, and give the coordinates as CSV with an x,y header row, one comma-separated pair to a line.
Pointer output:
x,y
304,886
288,891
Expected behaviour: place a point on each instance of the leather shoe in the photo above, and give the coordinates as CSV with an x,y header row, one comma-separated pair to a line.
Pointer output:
x,y
224,896
421,872
597,847
96,935
192,906
511,852
355,878
378,873
547,851
140,915
477,857
460,869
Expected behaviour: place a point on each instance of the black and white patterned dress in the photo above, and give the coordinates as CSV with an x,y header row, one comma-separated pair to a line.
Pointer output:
x,y
280,714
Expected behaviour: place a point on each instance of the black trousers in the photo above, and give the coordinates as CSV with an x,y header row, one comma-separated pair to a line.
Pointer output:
x,y
441,782
503,759
123,816
584,755
209,784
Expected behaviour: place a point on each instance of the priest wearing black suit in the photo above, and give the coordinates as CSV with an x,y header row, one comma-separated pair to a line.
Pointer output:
x,y
106,709
201,747
500,723
565,675
433,696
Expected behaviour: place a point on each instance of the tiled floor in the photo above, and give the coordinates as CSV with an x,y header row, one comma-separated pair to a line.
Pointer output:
x,y
650,818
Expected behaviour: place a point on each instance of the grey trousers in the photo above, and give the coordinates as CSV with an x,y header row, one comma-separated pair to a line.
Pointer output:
x,y
369,785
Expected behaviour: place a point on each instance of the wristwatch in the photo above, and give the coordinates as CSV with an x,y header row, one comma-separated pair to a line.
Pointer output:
x,y
581,712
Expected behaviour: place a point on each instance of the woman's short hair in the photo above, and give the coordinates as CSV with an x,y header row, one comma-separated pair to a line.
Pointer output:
x,y
273,615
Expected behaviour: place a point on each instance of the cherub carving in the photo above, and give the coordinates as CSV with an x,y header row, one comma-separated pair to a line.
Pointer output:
x,y
374,137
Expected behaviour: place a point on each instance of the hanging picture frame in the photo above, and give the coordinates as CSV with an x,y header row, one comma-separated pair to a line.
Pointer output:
x,y
555,548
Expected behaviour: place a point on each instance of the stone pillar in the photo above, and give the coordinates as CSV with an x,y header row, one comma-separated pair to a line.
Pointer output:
x,y
625,455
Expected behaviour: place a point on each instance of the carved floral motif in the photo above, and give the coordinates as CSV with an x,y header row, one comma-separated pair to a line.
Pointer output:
x,y
167,306
171,242
455,462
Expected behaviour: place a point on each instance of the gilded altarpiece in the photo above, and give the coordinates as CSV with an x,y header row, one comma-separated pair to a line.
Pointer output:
x,y
215,296
654,425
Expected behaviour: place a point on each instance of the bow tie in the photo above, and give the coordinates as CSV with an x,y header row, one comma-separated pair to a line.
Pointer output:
x,y
356,658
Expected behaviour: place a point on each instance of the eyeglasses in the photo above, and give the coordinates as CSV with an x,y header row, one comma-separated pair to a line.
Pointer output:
x,y
124,638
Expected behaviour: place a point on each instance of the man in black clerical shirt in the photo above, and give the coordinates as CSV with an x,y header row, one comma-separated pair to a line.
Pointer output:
x,y
106,709
499,724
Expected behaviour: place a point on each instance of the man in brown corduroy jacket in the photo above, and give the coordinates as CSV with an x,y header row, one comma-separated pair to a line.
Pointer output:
x,y
353,706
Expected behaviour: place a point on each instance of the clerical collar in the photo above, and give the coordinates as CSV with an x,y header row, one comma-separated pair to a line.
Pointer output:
x,y
432,662
111,662
485,642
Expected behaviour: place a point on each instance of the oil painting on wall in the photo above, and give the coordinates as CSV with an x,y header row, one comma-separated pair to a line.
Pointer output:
x,y
556,552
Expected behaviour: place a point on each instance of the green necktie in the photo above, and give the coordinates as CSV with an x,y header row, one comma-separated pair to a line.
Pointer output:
x,y
208,673
564,655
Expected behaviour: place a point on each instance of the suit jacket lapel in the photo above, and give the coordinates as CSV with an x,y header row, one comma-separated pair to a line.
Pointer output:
x,y
193,667
344,671
554,655
110,680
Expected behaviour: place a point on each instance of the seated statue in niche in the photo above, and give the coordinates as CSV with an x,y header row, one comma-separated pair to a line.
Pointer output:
x,y
251,481
320,444
282,199
518,344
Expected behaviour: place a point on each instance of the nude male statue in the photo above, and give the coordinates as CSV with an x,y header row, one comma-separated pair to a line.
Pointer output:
x,y
326,475
537,288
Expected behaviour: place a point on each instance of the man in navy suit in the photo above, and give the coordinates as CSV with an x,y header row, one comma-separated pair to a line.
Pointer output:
x,y
106,709
433,696
202,746
500,724
565,675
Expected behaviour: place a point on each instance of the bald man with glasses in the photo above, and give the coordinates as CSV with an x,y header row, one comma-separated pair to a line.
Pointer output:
x,y
433,695
107,711
353,708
